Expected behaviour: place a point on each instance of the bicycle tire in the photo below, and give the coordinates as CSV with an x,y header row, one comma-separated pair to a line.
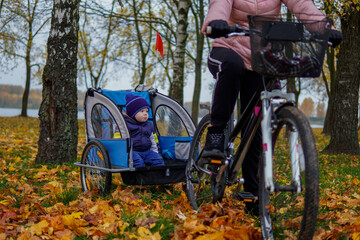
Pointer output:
x,y
202,188
97,181
285,214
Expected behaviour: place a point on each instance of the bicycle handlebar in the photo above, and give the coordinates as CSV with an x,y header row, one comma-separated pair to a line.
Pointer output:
x,y
229,30
237,29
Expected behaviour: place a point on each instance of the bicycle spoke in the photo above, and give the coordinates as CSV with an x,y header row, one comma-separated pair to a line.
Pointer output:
x,y
201,186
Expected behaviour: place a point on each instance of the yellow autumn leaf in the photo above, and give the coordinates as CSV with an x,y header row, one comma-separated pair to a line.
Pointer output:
x,y
70,220
43,168
4,202
283,210
17,159
54,187
356,181
212,236
122,226
77,214
2,236
194,226
109,227
145,234
237,234
356,236
39,227
94,209
11,167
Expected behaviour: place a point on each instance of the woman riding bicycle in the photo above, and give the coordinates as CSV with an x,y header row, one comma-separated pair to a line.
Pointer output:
x,y
230,64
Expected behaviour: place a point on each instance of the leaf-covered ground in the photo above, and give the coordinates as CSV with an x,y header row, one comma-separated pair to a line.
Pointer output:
x,y
46,202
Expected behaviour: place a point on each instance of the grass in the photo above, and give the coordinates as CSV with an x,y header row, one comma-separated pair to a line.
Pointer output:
x,y
165,227
67,195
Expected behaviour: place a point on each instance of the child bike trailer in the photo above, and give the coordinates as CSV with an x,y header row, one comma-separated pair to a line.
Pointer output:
x,y
109,145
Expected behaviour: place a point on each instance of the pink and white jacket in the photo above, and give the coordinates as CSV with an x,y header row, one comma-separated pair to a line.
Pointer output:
x,y
236,11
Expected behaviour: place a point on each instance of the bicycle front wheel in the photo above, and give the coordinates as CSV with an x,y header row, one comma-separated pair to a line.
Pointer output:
x,y
291,211
202,187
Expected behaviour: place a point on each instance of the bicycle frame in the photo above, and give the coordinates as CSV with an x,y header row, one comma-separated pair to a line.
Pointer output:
x,y
266,100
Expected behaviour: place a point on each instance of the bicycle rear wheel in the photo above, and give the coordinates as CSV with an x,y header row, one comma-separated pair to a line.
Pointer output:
x,y
201,187
286,214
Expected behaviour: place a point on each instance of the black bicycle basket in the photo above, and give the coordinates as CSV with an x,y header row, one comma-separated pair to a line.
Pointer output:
x,y
283,46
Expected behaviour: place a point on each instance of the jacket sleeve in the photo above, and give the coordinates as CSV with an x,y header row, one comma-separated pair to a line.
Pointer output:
x,y
304,9
218,10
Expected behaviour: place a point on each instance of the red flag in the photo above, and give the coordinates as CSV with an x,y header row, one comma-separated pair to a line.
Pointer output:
x,y
159,45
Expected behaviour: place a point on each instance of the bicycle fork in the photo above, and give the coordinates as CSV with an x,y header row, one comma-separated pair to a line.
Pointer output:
x,y
267,144
297,159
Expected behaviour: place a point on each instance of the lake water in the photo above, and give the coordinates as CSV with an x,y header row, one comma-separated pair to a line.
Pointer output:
x,y
12,112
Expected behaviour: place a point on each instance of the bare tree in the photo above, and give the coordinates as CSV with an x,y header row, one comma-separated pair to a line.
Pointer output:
x,y
21,23
95,44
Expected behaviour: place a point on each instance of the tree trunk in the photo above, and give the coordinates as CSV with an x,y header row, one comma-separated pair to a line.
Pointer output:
x,y
1,5
291,82
58,110
291,88
200,38
140,39
176,90
25,97
331,64
344,135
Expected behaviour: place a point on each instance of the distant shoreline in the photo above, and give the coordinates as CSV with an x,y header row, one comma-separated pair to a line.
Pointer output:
x,y
14,112
31,112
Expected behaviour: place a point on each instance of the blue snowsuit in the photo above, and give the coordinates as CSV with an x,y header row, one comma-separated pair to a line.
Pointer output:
x,y
145,150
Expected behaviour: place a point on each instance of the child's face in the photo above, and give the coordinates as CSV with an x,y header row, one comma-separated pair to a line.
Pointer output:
x,y
142,115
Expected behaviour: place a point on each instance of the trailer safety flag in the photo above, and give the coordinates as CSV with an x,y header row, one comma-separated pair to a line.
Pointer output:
x,y
159,45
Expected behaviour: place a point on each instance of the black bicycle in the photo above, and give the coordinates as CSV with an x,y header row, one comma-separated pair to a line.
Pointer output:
x,y
288,168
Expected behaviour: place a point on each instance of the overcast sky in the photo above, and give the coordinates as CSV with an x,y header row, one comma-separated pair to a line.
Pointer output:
x,y
17,77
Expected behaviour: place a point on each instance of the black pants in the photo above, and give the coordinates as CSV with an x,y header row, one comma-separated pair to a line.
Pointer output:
x,y
232,78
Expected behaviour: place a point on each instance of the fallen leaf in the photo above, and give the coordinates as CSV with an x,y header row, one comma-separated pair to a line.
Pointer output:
x,y
39,228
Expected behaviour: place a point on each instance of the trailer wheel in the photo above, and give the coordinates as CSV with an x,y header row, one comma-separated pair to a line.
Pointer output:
x,y
95,180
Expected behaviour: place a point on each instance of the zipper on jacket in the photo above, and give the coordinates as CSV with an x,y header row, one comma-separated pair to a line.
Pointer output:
x,y
256,7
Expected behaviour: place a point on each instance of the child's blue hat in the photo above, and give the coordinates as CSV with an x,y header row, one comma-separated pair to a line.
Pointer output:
x,y
134,104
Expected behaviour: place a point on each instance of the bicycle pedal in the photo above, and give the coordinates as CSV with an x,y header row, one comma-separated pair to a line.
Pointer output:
x,y
246,197
203,161
216,161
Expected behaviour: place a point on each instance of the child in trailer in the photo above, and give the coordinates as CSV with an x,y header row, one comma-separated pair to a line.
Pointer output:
x,y
142,132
